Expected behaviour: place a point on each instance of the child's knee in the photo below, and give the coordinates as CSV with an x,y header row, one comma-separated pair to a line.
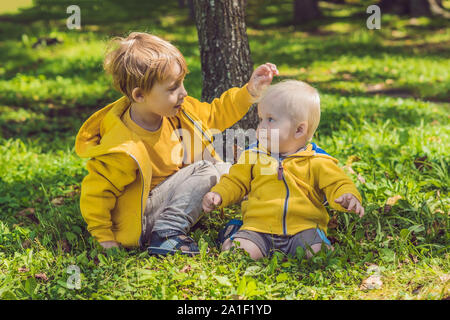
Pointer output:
x,y
250,247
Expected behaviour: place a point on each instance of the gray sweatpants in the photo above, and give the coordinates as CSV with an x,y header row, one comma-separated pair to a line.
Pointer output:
x,y
175,205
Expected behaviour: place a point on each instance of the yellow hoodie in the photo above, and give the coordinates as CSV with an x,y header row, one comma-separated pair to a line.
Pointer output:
x,y
115,190
285,196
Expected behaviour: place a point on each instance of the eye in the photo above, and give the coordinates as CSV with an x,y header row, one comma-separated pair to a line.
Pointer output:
x,y
271,119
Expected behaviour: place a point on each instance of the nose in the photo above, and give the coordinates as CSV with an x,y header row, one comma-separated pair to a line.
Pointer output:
x,y
183,92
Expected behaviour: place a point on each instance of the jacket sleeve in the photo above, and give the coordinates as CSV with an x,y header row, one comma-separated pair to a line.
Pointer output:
x,y
224,111
234,185
107,178
333,182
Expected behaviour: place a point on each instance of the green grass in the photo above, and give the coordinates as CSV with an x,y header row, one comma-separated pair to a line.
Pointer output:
x,y
385,113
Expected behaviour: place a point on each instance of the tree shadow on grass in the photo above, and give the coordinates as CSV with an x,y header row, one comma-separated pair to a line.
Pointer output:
x,y
330,49
50,130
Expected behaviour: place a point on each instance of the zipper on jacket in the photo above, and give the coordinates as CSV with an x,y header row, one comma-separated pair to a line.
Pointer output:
x,y
281,177
198,127
280,171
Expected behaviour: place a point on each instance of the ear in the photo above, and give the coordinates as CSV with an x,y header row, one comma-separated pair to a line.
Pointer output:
x,y
302,129
137,94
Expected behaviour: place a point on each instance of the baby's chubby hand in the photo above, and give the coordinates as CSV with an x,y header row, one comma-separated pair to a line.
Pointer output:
x,y
210,201
351,203
261,78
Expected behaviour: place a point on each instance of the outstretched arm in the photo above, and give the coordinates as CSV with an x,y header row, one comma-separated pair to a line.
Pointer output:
x,y
233,104
233,186
339,189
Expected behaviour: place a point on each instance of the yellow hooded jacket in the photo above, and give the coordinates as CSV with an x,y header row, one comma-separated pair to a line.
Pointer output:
x,y
115,190
285,196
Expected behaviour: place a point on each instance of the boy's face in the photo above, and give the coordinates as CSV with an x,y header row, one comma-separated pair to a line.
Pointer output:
x,y
165,97
276,131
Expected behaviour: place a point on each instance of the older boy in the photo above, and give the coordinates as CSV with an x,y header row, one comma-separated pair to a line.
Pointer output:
x,y
286,178
147,168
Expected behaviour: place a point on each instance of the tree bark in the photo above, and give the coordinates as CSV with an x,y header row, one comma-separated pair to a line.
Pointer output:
x,y
224,50
305,11
419,8
414,8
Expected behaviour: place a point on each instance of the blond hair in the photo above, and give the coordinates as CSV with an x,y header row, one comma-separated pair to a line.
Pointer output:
x,y
299,100
139,60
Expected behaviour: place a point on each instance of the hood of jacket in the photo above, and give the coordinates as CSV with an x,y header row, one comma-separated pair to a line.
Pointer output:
x,y
104,132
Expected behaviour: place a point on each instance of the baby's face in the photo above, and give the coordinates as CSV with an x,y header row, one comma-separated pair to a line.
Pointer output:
x,y
276,130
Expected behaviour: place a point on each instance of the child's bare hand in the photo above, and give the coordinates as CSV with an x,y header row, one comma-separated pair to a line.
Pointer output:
x,y
351,203
261,78
210,201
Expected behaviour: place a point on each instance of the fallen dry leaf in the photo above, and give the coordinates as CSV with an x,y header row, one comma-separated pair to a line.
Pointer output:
x,y
372,282
23,269
393,200
29,213
347,76
41,276
26,212
185,269
435,123
58,201
375,87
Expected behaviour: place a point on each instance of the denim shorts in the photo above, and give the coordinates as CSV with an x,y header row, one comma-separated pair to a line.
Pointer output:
x,y
268,243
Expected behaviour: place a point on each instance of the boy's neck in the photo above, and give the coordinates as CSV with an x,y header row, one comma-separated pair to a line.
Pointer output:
x,y
147,121
285,154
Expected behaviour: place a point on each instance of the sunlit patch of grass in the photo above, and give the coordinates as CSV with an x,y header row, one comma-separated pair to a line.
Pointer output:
x,y
396,148
8,113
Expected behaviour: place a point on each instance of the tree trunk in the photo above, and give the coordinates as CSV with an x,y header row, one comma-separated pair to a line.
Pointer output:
x,y
224,50
419,8
414,8
305,10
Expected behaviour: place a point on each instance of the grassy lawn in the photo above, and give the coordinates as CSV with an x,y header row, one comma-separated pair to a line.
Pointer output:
x,y
385,116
